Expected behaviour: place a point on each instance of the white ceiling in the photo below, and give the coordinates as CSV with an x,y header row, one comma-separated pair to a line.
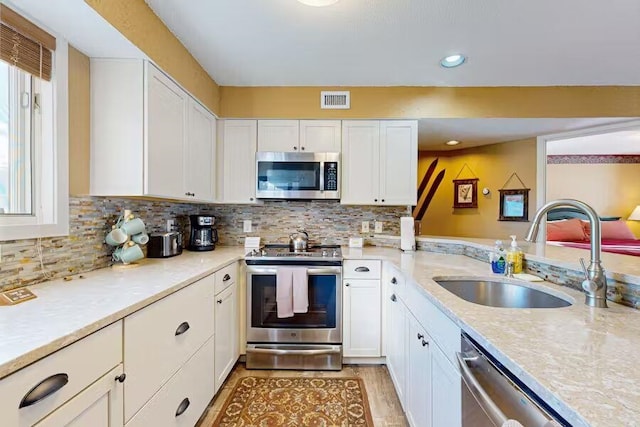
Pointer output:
x,y
433,133
623,142
400,42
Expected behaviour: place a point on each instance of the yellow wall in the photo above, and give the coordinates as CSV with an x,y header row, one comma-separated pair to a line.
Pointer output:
x,y
612,189
79,122
436,102
137,22
492,164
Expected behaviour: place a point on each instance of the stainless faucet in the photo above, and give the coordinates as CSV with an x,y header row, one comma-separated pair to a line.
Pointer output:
x,y
595,283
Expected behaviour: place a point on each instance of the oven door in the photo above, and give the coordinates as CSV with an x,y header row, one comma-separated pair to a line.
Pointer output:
x,y
321,324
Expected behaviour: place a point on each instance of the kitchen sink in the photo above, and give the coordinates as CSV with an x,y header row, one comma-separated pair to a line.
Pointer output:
x,y
494,293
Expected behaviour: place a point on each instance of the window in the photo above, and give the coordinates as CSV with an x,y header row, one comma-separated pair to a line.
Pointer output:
x,y
33,130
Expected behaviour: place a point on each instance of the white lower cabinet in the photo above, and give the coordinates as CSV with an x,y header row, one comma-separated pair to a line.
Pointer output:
x,y
73,384
227,333
397,345
100,405
446,392
419,377
182,400
361,317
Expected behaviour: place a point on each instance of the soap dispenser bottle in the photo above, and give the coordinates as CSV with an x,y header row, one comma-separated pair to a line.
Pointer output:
x,y
497,258
515,255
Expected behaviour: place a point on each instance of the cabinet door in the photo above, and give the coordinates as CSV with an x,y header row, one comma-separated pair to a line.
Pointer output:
x,y
320,136
164,149
360,162
398,162
397,346
99,405
418,396
238,161
278,135
226,335
200,158
361,318
446,391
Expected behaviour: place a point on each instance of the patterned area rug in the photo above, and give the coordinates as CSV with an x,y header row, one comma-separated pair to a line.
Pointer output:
x,y
292,402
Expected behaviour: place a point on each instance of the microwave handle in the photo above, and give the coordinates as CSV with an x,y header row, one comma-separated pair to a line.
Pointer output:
x,y
484,400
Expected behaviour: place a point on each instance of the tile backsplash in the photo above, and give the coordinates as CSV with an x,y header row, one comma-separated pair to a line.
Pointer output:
x,y
91,217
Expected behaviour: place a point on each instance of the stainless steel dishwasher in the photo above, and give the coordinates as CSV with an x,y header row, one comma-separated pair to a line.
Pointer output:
x,y
491,395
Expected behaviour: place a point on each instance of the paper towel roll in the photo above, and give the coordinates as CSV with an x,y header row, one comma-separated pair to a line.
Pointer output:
x,y
407,234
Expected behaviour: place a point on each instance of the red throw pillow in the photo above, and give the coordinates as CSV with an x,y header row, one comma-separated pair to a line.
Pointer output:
x,y
611,230
569,230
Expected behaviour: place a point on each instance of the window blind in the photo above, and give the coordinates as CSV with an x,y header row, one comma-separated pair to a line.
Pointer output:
x,y
25,45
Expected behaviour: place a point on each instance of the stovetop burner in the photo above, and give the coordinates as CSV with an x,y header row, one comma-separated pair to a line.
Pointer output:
x,y
280,254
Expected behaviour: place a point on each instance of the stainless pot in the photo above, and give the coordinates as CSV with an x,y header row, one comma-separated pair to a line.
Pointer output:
x,y
299,242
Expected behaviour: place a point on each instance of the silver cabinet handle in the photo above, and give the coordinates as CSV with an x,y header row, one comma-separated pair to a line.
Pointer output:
x,y
44,388
226,278
393,298
362,269
481,396
184,327
183,406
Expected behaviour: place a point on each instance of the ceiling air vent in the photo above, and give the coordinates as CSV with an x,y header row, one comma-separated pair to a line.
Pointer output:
x,y
334,100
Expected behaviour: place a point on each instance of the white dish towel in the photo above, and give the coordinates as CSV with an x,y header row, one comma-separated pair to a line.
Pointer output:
x,y
292,291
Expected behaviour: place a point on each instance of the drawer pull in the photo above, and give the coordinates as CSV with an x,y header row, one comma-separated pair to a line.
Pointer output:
x,y
420,336
362,269
183,406
120,378
393,298
184,327
226,278
425,343
394,281
219,301
44,388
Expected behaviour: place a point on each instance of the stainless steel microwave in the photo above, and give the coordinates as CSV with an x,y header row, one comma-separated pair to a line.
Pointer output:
x,y
298,175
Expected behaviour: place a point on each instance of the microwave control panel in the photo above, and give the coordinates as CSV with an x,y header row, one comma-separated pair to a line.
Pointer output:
x,y
331,176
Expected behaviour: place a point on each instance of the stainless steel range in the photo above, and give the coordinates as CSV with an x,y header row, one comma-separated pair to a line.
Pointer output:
x,y
311,340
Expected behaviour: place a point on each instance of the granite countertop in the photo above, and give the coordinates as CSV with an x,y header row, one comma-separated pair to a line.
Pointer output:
x,y
579,359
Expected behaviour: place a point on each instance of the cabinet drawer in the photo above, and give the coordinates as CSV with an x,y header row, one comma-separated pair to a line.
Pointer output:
x,y
226,276
82,362
171,330
194,381
361,269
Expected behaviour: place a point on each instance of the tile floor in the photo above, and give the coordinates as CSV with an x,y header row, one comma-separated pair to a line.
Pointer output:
x,y
383,401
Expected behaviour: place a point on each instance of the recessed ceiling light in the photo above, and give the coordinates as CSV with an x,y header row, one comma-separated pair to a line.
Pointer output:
x,y
318,3
452,142
451,60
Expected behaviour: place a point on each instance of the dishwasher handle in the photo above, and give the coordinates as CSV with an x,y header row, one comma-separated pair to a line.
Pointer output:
x,y
484,400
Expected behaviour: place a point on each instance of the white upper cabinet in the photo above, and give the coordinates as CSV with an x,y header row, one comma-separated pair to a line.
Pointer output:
x,y
165,142
379,162
149,137
299,136
360,162
320,136
237,161
201,152
278,135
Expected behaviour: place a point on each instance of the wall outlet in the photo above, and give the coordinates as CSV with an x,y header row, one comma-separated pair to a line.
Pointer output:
x,y
246,226
170,224
378,228
365,226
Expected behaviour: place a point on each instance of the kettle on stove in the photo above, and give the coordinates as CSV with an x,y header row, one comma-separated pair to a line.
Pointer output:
x,y
299,242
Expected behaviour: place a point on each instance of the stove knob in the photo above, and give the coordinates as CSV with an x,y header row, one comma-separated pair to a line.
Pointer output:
x,y
324,253
264,253
335,254
254,252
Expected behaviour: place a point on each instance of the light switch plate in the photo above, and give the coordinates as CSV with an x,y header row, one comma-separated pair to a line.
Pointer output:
x,y
365,226
355,242
378,227
246,226
252,242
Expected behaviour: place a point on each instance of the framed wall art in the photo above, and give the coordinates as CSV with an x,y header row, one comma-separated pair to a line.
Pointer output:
x,y
465,193
514,205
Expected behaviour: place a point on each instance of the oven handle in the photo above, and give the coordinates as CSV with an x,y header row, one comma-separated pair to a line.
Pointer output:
x,y
284,352
484,400
312,271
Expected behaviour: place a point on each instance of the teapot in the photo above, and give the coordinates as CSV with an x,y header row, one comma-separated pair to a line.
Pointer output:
x,y
299,242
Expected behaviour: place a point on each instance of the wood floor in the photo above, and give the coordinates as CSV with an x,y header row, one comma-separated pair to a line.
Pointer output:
x,y
383,401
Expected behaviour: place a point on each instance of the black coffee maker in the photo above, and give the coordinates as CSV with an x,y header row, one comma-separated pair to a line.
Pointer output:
x,y
203,234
